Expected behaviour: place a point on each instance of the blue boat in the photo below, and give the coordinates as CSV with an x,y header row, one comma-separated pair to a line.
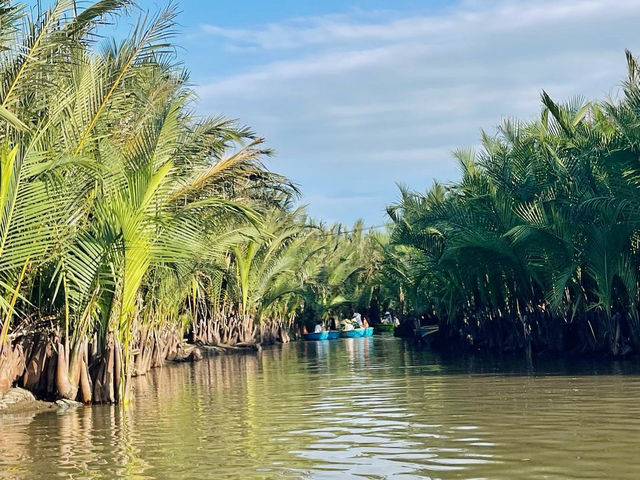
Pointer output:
x,y
333,334
355,333
368,332
316,336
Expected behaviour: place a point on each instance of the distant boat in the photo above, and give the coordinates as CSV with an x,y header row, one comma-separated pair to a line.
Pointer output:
x,y
332,334
355,333
383,328
316,336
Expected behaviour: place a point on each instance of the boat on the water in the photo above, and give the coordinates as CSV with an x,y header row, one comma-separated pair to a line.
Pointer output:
x,y
384,328
333,334
357,333
316,336
354,333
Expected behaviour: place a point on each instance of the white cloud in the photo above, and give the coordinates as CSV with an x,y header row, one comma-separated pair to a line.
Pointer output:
x,y
482,16
356,102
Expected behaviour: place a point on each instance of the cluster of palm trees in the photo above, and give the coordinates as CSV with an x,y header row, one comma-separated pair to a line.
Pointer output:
x,y
129,223
344,276
537,246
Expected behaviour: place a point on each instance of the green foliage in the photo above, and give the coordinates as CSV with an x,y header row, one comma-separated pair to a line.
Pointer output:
x,y
123,212
544,217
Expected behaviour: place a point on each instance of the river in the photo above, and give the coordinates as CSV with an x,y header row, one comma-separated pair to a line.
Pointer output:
x,y
347,409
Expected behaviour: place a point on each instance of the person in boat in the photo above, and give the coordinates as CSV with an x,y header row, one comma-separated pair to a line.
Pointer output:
x,y
346,325
334,324
396,322
387,319
357,319
365,322
318,328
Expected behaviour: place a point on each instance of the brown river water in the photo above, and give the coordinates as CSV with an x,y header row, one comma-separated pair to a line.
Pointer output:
x,y
346,409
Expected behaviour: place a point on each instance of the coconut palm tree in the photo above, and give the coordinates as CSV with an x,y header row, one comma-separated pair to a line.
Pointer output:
x,y
536,244
108,182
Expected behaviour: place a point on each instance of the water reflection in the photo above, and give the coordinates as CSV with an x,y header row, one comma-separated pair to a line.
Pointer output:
x,y
351,408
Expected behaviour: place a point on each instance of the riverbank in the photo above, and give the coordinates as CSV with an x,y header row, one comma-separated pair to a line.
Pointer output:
x,y
18,400
198,351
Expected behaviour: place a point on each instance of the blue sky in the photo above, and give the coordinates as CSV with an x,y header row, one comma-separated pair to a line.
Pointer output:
x,y
357,95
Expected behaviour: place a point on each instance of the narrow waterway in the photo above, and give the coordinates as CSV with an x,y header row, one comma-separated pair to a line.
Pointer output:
x,y
355,408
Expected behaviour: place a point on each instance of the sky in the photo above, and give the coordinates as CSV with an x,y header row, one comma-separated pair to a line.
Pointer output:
x,y
356,96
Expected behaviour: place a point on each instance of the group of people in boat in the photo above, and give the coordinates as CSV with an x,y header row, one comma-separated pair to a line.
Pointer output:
x,y
356,321
389,319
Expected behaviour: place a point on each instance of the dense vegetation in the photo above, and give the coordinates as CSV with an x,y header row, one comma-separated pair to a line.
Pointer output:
x,y
128,223
538,245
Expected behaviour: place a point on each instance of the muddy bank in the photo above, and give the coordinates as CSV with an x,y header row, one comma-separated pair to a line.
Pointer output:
x,y
21,401
90,369
193,353
18,400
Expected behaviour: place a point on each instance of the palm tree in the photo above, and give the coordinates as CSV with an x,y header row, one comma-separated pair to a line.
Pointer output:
x,y
129,223
107,181
536,244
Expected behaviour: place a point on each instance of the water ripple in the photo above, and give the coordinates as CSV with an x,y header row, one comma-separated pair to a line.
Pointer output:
x,y
356,409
